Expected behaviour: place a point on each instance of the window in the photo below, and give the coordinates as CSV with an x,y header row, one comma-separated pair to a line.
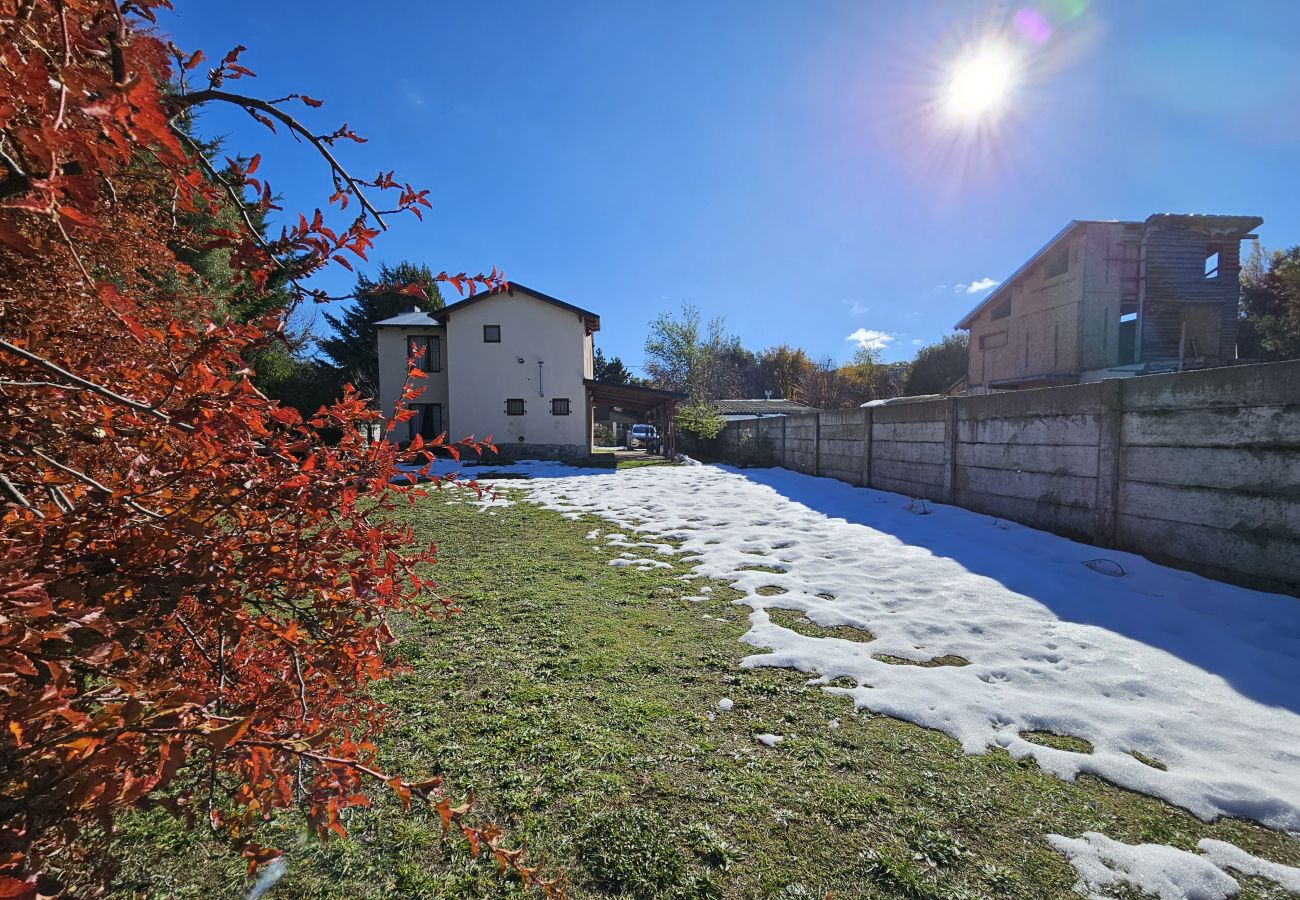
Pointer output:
x,y
491,334
514,407
560,406
993,341
427,422
1211,262
427,350
1058,263
1002,310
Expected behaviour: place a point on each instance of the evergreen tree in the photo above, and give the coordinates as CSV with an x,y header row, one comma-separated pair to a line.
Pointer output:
x,y
353,347
612,370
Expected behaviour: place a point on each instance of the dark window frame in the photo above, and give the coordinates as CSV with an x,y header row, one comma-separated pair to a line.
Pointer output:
x,y
418,422
1002,310
516,410
486,332
555,408
430,360
1213,252
990,341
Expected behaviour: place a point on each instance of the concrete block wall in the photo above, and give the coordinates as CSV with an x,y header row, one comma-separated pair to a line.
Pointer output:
x,y
839,447
1199,470
1031,456
1209,471
909,445
799,445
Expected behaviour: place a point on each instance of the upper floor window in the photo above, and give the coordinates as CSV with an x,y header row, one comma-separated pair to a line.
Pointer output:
x,y
427,350
560,406
491,334
1058,263
993,341
1212,262
514,407
1002,310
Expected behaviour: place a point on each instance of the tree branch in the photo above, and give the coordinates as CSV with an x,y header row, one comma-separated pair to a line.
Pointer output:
x,y
185,101
91,386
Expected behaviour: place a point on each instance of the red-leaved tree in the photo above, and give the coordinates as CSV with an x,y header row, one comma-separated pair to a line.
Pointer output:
x,y
193,585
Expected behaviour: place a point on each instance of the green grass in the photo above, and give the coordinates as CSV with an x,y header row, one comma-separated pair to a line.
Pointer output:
x,y
578,701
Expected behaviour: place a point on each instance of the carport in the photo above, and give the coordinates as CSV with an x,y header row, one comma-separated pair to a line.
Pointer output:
x,y
655,407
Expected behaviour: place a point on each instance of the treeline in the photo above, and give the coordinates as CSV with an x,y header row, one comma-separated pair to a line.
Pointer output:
x,y
684,352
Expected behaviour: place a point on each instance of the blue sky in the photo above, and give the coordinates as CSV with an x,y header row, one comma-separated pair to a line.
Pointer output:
x,y
782,165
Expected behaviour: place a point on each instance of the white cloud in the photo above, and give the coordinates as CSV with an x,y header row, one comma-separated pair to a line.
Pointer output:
x,y
975,287
916,342
870,340
855,308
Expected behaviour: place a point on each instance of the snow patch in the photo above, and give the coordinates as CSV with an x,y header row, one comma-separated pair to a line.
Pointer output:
x,y
725,704
771,740
1161,871
1195,673
1230,856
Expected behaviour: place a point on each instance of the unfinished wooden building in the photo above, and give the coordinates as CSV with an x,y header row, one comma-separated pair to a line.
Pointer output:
x,y
1110,299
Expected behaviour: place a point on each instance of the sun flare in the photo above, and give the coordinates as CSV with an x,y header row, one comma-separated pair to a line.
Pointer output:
x,y
980,85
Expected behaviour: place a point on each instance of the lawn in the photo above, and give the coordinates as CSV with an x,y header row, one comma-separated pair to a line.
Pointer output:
x,y
578,701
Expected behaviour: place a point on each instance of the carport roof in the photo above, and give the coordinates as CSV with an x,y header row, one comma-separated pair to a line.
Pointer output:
x,y
628,396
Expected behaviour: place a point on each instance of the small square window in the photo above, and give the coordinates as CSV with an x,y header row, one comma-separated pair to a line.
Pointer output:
x,y
514,407
491,334
1002,310
560,406
1212,262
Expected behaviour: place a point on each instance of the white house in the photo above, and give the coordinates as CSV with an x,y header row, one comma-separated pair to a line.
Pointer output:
x,y
512,364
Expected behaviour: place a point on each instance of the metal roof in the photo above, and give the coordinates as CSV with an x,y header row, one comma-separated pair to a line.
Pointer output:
x,y
414,318
761,407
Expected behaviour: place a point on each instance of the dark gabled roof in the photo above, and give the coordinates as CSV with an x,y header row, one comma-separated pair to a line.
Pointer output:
x,y
514,287
761,407
416,318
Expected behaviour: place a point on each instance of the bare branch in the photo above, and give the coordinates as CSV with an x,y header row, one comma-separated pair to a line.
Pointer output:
x,y
185,101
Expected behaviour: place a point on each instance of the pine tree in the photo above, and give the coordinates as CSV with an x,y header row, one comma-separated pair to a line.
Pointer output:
x,y
353,348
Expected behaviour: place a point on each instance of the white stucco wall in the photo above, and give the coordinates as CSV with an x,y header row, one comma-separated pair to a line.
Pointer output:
x,y
393,354
481,376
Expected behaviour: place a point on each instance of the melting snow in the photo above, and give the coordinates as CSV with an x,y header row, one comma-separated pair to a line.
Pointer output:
x,y
771,740
1161,871
1201,676
1165,872
725,704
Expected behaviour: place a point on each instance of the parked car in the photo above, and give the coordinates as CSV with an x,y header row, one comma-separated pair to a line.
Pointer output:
x,y
644,436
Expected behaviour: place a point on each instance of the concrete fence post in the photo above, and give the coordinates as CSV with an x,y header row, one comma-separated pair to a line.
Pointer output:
x,y
866,446
817,444
950,451
1109,449
785,463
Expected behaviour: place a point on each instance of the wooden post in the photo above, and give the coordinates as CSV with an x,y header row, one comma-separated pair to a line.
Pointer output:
x,y
866,446
950,452
1109,450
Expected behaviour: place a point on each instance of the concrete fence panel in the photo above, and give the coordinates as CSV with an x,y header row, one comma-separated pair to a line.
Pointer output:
x,y
1196,469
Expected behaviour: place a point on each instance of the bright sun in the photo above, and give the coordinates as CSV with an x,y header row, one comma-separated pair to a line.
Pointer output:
x,y
980,84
